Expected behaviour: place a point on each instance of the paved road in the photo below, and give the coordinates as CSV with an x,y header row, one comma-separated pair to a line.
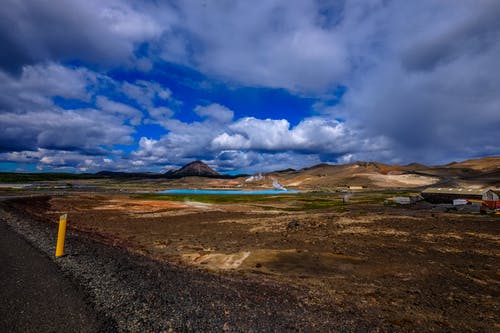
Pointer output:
x,y
35,296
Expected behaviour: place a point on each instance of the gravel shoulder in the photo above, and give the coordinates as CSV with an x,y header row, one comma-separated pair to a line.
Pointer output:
x,y
137,294
36,297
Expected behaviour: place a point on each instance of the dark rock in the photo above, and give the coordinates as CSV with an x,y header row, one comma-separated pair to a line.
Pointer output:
x,y
293,225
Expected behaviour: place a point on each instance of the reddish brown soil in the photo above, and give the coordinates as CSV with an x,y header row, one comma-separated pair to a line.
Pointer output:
x,y
419,270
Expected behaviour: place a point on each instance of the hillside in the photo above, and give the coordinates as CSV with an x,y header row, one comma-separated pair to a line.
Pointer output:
x,y
484,164
367,174
477,172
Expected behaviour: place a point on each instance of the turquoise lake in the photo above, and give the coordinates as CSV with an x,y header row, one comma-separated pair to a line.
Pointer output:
x,y
229,192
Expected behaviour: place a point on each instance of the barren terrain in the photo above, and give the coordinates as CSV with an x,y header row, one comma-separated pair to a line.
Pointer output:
x,y
408,267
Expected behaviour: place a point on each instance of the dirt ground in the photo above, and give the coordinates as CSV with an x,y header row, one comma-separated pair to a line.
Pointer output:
x,y
417,269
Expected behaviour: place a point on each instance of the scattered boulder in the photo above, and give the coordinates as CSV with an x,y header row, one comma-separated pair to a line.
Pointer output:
x,y
293,225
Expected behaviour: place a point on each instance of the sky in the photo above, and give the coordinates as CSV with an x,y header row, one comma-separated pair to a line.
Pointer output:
x,y
246,86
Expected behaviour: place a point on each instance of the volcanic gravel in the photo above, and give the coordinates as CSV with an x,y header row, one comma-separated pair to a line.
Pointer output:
x,y
139,294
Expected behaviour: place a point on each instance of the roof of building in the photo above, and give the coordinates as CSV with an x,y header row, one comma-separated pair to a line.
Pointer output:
x,y
450,190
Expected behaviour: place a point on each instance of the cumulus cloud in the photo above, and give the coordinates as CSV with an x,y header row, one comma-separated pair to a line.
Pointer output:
x,y
314,135
56,129
271,44
121,109
215,112
36,86
49,159
33,125
248,161
145,93
249,143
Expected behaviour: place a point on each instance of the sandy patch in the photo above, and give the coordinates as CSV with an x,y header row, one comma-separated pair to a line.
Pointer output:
x,y
446,249
381,232
135,205
272,261
349,220
344,220
392,180
434,237
216,260
494,238
298,182
493,253
277,223
199,205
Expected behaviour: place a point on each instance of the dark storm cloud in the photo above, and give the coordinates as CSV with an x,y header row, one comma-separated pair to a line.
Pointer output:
x,y
475,35
92,31
82,130
433,91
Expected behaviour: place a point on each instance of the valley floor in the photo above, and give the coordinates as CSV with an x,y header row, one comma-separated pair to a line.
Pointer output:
x,y
310,261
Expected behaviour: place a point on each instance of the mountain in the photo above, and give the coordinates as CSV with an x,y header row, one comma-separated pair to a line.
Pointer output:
x,y
196,168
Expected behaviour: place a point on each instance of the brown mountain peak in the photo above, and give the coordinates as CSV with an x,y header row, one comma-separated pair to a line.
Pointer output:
x,y
195,168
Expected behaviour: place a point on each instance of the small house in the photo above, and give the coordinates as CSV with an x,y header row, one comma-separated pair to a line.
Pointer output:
x,y
402,200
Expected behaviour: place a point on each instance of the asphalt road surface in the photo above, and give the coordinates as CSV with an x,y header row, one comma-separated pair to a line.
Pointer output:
x,y
35,295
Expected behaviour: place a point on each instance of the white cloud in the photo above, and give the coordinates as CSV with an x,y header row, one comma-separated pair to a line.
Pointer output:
x,y
47,159
250,143
121,109
253,162
125,21
315,134
36,86
144,92
84,129
160,115
225,141
271,44
215,112
30,120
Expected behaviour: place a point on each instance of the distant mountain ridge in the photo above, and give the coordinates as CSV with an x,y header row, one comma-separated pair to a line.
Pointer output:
x,y
479,172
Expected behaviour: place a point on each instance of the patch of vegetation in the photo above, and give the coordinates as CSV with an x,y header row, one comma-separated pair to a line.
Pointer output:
x,y
293,202
315,204
216,198
377,197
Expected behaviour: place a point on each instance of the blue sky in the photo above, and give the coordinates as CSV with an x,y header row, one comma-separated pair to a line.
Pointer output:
x,y
246,86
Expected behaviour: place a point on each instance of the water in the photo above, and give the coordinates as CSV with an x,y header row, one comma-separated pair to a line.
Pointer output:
x,y
230,192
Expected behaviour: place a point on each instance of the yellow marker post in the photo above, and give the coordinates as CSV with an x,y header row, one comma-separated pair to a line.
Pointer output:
x,y
61,235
